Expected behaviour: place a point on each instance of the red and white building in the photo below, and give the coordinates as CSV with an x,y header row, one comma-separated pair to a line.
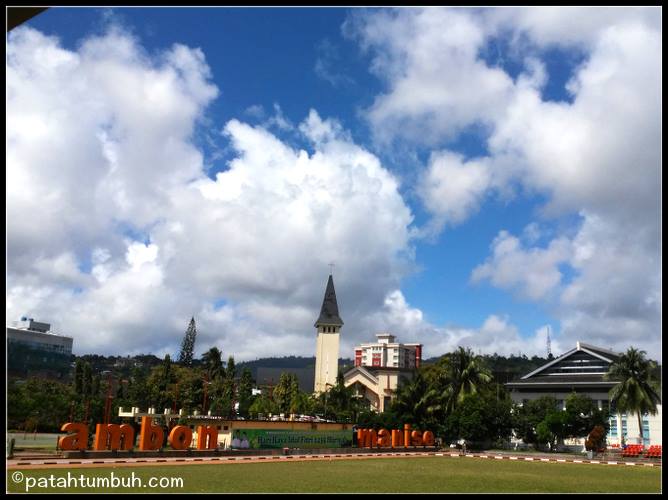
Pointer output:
x,y
379,368
386,353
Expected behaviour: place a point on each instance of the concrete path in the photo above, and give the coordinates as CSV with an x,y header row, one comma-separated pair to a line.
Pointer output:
x,y
42,463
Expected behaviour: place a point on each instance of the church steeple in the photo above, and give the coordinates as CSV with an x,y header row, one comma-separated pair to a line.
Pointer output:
x,y
328,326
329,312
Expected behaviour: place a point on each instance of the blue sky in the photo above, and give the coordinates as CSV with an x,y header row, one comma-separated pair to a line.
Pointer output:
x,y
493,123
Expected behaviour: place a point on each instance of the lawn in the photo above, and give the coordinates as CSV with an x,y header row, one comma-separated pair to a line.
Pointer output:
x,y
425,474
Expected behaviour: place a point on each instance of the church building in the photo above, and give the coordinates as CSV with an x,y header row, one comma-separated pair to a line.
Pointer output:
x,y
328,327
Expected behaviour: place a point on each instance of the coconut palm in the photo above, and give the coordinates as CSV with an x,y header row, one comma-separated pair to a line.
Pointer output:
x,y
213,361
416,401
637,390
463,373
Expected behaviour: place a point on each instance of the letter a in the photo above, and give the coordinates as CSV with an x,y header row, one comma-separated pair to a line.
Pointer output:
x,y
76,441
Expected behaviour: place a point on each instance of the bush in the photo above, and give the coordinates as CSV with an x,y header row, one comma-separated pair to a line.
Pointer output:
x,y
596,439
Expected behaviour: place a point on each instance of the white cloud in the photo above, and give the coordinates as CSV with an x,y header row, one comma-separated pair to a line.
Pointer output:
x,y
109,196
436,84
597,155
534,272
570,27
496,334
451,188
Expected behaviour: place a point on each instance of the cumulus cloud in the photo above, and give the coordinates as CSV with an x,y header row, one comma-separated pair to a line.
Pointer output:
x,y
117,236
496,334
452,188
533,272
597,155
428,59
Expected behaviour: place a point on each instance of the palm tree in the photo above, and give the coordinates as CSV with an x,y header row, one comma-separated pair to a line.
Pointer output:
x,y
464,373
416,401
213,361
637,389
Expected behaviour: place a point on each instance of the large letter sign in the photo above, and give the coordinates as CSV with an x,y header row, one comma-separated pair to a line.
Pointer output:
x,y
76,441
152,436
109,437
368,438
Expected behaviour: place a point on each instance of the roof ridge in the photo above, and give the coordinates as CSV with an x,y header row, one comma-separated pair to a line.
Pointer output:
x,y
596,348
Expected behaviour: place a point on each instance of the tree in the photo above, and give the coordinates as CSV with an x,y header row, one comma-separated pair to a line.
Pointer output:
x,y
527,417
286,392
582,415
463,373
160,384
87,381
417,402
231,370
339,402
213,363
480,419
78,378
552,429
188,345
263,404
637,391
223,389
245,394
138,389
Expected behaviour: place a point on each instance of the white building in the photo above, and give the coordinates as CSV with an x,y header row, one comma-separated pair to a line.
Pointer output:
x,y
379,366
386,353
37,335
582,370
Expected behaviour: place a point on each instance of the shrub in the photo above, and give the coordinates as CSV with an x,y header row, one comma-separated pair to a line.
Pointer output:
x,y
596,439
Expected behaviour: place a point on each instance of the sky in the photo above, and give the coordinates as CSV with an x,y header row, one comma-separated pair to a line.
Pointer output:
x,y
479,177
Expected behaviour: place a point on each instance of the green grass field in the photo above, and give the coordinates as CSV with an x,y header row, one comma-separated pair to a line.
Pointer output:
x,y
383,475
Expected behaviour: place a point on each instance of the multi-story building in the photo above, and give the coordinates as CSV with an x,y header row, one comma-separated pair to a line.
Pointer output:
x,y
386,353
33,349
379,367
582,370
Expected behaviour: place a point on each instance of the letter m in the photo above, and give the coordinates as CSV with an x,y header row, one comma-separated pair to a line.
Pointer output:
x,y
365,438
114,437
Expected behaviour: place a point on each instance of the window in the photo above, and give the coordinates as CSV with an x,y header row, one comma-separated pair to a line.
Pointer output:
x,y
613,427
624,428
645,429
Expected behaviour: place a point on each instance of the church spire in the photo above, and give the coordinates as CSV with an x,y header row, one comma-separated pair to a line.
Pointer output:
x,y
329,313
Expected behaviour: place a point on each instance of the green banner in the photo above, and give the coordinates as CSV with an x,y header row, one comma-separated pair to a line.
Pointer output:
x,y
263,438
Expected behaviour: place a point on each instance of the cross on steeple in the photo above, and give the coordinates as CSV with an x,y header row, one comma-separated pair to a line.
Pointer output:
x,y
331,268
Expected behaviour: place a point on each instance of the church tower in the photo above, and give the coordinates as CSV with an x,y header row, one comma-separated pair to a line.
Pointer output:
x,y
327,346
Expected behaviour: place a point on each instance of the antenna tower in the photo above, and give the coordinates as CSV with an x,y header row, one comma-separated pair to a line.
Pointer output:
x,y
549,343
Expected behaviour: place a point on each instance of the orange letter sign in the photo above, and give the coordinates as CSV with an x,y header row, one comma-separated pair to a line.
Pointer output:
x,y
151,436
397,438
416,438
383,438
204,432
180,437
108,437
76,441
